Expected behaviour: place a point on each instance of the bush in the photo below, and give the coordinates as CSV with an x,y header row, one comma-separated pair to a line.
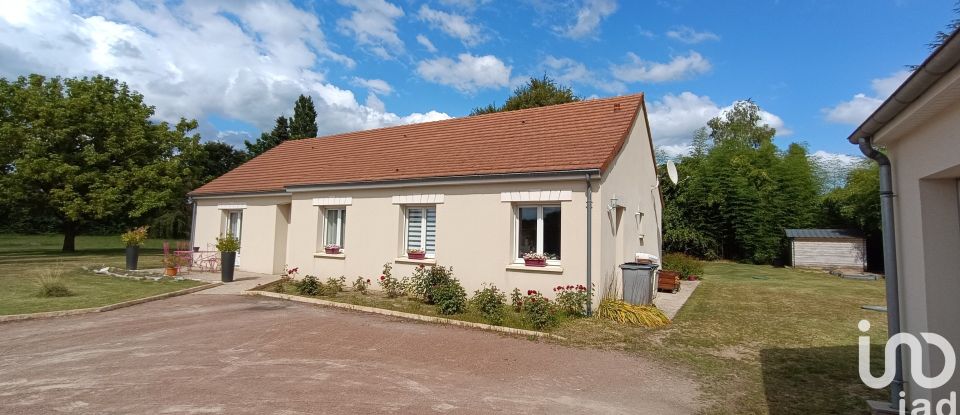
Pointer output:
x,y
449,297
360,285
572,300
336,285
52,285
516,300
684,264
310,285
229,243
391,286
491,303
425,280
539,311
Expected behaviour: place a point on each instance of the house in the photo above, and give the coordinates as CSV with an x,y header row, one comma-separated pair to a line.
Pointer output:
x,y
918,127
827,248
575,182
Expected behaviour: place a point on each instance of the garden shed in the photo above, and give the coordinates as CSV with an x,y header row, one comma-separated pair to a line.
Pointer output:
x,y
827,248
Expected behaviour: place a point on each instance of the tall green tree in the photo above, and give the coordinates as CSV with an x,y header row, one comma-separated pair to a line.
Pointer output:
x,y
280,133
84,150
304,121
537,92
741,123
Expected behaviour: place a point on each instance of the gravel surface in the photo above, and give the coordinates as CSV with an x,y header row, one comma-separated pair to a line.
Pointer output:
x,y
202,354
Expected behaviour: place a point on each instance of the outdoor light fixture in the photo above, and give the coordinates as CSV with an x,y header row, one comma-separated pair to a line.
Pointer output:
x,y
614,203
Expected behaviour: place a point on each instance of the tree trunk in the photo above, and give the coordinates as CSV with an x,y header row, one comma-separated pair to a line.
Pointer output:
x,y
69,236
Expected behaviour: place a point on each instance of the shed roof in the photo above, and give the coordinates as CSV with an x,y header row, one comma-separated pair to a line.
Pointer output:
x,y
824,233
583,135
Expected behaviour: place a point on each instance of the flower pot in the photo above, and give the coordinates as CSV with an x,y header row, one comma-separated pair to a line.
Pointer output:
x,y
228,261
535,262
332,251
414,255
170,271
133,254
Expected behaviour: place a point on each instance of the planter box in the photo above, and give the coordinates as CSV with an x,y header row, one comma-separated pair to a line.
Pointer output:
x,y
411,255
668,281
133,254
535,262
170,272
331,251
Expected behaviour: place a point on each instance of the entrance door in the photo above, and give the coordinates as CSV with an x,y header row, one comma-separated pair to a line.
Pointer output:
x,y
234,226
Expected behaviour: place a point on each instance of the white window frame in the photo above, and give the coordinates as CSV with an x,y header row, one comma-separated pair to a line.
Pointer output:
x,y
226,222
341,233
516,230
423,227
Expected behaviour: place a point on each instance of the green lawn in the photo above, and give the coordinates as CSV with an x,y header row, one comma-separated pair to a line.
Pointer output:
x,y
762,340
23,258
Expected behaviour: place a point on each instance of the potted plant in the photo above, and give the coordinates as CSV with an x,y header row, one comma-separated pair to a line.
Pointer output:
x,y
331,249
172,264
133,239
533,259
228,247
416,254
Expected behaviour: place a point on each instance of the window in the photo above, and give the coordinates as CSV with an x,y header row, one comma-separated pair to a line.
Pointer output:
x,y
538,230
335,225
422,230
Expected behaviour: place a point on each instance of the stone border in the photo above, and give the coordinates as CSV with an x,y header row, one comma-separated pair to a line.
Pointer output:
x,y
128,303
411,316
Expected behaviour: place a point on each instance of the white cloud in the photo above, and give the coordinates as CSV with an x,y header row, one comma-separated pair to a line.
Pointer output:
x,y
452,24
680,67
858,108
191,60
468,73
376,85
836,159
675,150
835,166
426,43
674,118
373,24
589,16
687,34
568,71
469,5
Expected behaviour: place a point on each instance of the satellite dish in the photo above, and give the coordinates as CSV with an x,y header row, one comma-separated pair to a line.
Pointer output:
x,y
672,171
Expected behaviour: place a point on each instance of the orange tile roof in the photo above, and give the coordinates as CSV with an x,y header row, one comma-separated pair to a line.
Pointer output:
x,y
576,136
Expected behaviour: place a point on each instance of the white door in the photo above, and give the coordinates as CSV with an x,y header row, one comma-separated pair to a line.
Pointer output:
x,y
235,226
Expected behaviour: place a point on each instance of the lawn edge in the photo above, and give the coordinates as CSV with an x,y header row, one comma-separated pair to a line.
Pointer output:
x,y
410,316
108,307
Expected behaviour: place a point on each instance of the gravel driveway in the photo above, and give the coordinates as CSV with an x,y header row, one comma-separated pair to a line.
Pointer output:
x,y
230,354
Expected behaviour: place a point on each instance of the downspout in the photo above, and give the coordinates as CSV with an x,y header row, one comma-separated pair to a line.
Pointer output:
x,y
193,223
889,259
589,247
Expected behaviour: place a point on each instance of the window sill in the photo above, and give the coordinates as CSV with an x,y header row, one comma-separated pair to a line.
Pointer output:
x,y
326,255
549,269
426,261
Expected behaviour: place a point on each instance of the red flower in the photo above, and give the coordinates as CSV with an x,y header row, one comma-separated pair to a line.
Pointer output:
x,y
420,266
569,287
368,280
382,277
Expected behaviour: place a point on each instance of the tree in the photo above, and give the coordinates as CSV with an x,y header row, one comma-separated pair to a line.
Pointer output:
x,y
280,133
741,123
304,121
535,93
84,150
857,203
218,159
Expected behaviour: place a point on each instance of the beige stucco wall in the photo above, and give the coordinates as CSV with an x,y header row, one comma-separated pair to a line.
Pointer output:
x,y
262,220
926,165
632,179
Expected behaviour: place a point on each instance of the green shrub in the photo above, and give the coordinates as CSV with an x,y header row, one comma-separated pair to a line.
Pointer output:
x,y
449,297
539,311
336,285
572,300
135,237
491,303
516,300
229,243
360,285
390,286
310,285
425,280
52,285
684,264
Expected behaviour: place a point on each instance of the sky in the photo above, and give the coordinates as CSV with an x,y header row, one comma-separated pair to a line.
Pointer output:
x,y
816,68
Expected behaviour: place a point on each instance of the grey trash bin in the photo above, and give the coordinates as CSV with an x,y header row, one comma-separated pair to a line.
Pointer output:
x,y
638,282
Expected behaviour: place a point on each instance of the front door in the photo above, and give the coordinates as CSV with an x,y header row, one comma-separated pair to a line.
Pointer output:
x,y
234,226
